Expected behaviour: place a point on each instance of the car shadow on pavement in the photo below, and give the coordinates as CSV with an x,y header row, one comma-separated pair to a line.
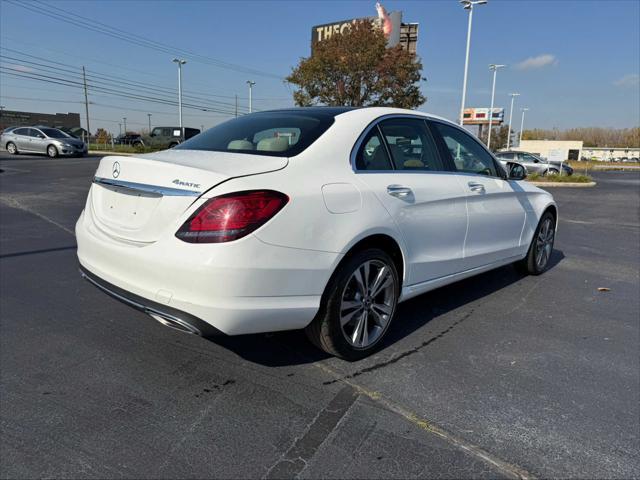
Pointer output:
x,y
292,347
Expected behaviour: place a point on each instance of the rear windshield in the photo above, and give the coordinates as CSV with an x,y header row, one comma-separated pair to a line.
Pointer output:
x,y
278,134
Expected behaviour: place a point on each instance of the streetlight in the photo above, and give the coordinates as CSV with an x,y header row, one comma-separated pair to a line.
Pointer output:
x,y
522,126
494,68
251,84
467,5
149,115
513,96
119,129
125,124
180,62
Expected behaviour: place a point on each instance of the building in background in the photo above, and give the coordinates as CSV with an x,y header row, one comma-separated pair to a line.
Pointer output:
x,y
14,118
397,33
609,154
559,150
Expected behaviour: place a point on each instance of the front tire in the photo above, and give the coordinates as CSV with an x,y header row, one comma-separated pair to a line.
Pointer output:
x,y
12,149
553,171
52,151
358,306
541,248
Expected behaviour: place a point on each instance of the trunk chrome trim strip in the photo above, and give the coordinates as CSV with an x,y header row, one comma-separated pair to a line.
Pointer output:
x,y
146,188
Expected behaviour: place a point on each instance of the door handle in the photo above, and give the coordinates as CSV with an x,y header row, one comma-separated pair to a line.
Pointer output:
x,y
476,187
398,191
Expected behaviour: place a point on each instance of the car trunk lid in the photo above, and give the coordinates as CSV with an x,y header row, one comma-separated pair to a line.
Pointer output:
x,y
135,199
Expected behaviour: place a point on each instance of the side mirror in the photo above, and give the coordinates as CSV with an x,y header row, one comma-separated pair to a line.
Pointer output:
x,y
516,171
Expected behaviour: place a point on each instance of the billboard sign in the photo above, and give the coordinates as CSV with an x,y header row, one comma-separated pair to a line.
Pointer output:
x,y
480,116
390,23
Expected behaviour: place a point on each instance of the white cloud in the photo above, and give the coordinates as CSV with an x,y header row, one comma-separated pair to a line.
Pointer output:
x,y
537,62
628,80
20,68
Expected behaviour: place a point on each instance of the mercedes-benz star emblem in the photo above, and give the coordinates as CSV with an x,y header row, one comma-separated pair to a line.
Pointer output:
x,y
115,170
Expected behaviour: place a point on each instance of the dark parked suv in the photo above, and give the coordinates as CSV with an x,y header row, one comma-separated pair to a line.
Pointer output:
x,y
168,137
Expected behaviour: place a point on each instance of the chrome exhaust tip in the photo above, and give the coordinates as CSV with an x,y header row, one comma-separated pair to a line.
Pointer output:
x,y
173,322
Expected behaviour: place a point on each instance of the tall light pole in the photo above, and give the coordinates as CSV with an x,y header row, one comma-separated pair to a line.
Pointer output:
x,y
513,96
180,62
124,119
522,125
251,84
494,68
149,115
468,5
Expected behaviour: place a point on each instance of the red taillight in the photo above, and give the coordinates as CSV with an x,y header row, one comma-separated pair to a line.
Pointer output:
x,y
231,216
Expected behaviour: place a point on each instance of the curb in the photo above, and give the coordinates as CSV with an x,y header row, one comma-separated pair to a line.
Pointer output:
x,y
107,152
564,184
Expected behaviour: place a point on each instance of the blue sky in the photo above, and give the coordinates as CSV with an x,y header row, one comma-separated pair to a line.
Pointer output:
x,y
574,63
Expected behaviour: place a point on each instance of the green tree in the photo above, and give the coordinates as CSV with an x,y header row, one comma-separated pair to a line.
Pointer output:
x,y
357,69
498,137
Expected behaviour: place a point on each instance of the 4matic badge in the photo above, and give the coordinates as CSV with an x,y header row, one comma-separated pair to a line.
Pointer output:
x,y
186,184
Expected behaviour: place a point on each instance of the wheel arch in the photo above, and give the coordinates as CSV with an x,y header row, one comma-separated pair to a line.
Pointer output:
x,y
553,209
384,242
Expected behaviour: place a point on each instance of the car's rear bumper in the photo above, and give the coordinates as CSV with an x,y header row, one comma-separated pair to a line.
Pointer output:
x,y
246,286
170,317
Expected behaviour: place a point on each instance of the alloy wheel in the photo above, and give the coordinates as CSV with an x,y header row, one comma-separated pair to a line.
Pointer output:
x,y
11,148
367,305
544,243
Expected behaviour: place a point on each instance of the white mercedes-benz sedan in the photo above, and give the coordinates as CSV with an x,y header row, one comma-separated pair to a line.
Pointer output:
x,y
318,218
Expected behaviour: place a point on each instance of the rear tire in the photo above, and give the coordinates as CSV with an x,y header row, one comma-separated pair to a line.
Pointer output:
x,y
541,248
52,151
12,149
171,145
358,306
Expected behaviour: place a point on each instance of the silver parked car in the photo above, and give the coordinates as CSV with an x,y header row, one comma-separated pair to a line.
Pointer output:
x,y
533,163
50,141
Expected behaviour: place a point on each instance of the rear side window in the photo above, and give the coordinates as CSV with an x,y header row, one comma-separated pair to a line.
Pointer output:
x,y
278,134
21,131
411,145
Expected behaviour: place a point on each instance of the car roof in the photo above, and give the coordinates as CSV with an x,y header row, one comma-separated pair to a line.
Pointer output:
x,y
372,111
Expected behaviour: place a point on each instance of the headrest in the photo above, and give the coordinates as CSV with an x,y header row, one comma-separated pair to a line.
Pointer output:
x,y
413,163
273,144
240,145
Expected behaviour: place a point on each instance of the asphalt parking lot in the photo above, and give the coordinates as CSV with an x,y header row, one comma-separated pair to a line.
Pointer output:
x,y
496,376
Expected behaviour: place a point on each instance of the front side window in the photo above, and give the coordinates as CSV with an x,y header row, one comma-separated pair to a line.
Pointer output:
x,y
530,158
411,145
372,154
279,134
467,154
